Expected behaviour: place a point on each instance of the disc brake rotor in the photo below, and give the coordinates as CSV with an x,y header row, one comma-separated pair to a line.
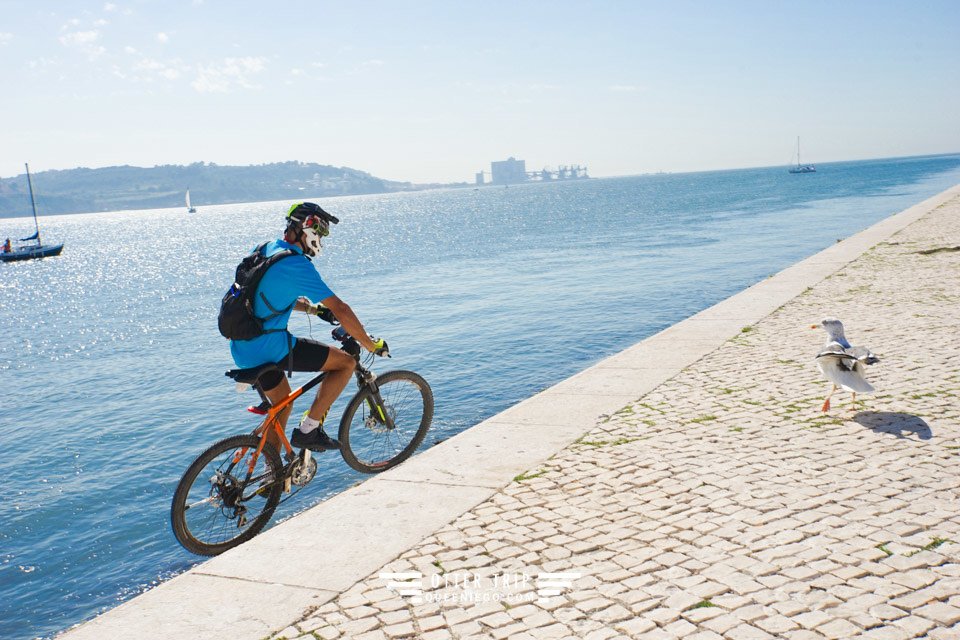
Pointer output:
x,y
301,474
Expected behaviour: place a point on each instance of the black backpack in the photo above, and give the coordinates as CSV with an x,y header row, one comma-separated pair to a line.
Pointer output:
x,y
237,320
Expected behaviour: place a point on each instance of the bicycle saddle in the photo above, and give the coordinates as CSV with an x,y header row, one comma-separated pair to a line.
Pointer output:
x,y
251,375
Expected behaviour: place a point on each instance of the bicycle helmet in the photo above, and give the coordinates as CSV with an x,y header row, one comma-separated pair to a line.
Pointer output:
x,y
309,223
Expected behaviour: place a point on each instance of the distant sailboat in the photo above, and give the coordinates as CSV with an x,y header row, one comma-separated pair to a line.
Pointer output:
x,y
190,209
30,251
802,168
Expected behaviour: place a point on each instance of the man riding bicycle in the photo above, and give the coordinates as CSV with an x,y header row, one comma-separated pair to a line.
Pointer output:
x,y
293,284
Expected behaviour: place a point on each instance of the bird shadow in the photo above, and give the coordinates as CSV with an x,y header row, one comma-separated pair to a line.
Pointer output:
x,y
901,425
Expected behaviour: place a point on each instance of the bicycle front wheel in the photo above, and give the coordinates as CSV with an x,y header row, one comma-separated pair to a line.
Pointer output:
x,y
367,442
219,502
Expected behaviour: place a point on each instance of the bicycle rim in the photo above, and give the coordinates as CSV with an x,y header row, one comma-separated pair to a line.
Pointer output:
x,y
216,506
367,443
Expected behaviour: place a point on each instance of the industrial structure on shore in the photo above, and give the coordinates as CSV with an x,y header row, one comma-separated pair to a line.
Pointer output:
x,y
513,171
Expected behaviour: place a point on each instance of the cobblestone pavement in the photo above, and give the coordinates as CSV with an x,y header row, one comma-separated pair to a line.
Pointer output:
x,y
724,504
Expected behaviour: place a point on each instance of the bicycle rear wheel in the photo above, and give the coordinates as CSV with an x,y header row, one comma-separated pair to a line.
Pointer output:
x,y
366,442
219,503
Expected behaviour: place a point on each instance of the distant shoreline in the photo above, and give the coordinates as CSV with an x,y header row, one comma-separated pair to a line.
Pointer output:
x,y
290,181
128,188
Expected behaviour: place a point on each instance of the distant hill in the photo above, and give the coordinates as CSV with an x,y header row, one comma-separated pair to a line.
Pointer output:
x,y
126,187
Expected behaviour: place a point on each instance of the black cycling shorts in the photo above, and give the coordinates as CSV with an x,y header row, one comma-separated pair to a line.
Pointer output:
x,y
308,355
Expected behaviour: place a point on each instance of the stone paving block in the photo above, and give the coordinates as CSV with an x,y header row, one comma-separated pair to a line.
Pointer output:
x,y
508,631
289,633
680,628
811,619
326,633
803,634
838,630
777,624
600,634
747,632
722,624
357,627
940,612
402,630
394,617
916,626
635,626
886,633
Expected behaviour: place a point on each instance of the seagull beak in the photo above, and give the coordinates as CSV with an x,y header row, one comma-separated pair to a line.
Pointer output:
x,y
814,326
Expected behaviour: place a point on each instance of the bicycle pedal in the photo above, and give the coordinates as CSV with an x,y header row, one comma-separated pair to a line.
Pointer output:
x,y
287,485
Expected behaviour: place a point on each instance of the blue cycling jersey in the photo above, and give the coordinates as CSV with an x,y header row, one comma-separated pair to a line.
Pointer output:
x,y
282,284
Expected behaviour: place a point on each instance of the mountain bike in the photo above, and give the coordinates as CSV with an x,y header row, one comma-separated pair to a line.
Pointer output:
x,y
229,493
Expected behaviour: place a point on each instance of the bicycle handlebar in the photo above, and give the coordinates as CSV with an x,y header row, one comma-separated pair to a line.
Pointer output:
x,y
350,344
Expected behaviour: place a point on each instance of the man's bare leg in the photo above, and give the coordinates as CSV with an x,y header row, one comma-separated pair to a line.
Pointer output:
x,y
275,395
339,367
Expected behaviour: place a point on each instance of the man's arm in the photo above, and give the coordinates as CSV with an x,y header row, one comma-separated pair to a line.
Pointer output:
x,y
349,321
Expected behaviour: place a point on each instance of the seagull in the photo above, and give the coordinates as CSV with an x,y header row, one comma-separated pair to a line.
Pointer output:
x,y
841,363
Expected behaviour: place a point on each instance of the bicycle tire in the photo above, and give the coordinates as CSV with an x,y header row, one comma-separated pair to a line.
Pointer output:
x,y
396,445
182,530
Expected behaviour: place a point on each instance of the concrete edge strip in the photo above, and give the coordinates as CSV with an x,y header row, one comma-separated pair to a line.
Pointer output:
x,y
473,465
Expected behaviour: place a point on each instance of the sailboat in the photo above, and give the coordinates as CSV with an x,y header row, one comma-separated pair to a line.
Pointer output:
x,y
190,209
30,251
802,168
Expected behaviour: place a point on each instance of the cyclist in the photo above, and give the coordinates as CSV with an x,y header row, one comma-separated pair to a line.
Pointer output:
x,y
291,284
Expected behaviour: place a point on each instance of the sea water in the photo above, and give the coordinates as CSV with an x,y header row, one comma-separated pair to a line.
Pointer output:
x,y
111,366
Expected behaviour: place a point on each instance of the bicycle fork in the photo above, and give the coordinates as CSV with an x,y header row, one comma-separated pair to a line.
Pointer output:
x,y
378,409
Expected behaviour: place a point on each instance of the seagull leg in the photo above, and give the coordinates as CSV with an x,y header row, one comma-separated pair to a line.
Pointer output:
x,y
853,405
826,403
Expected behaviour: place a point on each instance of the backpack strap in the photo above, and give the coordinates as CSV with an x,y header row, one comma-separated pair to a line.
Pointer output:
x,y
274,312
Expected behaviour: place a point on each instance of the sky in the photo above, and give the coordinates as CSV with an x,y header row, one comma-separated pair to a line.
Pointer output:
x,y
428,91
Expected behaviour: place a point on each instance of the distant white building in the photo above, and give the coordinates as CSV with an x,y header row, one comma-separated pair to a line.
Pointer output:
x,y
509,171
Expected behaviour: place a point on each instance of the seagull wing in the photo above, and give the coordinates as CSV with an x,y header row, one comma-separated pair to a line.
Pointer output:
x,y
843,368
864,355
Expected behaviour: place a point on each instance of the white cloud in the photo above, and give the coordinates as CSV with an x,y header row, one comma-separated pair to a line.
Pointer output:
x,y
108,7
84,41
101,23
149,64
79,38
222,76
163,38
5,37
44,63
130,50
148,70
